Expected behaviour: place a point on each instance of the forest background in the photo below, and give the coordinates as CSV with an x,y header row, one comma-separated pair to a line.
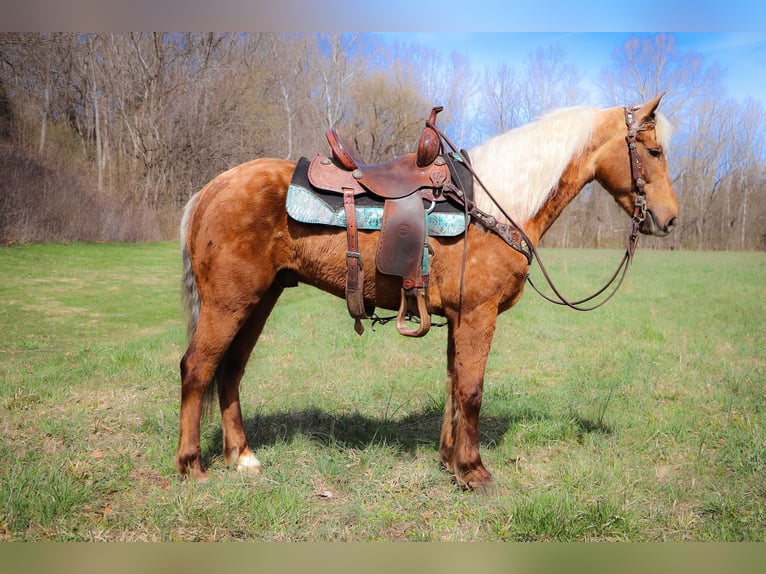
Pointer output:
x,y
105,136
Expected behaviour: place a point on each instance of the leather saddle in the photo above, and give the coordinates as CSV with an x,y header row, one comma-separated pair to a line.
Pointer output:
x,y
408,185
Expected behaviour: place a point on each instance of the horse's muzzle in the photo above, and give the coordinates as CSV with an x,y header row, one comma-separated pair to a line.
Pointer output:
x,y
650,226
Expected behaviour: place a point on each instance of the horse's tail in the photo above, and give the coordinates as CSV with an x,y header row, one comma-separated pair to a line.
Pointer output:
x,y
190,298
189,292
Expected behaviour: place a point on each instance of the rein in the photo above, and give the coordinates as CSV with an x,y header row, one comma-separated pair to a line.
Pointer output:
x,y
513,234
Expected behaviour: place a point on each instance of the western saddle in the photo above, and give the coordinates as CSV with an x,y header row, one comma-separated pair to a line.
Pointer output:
x,y
407,185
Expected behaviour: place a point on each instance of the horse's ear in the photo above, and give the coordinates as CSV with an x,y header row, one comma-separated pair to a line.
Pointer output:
x,y
646,112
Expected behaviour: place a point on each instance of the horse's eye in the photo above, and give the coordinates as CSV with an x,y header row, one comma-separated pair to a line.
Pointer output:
x,y
655,152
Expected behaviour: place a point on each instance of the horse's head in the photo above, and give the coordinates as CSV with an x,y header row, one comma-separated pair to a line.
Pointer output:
x,y
627,170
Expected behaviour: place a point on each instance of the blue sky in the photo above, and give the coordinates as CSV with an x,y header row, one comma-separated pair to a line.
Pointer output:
x,y
741,54
390,16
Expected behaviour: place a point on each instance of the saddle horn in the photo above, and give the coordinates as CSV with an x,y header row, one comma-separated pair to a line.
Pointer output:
x,y
429,145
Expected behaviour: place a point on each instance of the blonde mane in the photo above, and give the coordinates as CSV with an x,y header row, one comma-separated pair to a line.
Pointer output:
x,y
522,166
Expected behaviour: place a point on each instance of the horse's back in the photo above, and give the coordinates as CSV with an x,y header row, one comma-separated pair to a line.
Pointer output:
x,y
248,182
235,230
236,199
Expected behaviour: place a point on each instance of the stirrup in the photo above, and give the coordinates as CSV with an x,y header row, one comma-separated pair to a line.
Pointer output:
x,y
425,318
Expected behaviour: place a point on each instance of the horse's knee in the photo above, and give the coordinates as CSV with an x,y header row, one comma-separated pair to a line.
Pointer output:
x,y
470,399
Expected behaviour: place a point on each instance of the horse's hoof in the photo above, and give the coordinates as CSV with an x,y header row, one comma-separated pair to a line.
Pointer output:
x,y
479,481
191,469
484,488
197,475
248,463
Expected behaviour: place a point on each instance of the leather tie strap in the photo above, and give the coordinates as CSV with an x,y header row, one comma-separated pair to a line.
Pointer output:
x,y
354,268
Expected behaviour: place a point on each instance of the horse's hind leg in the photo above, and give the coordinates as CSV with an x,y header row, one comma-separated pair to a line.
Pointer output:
x,y
210,341
235,448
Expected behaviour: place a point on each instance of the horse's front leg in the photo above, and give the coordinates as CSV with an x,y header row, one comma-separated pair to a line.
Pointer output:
x,y
469,342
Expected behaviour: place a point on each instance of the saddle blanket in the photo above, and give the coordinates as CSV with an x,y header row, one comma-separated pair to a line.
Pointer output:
x,y
308,204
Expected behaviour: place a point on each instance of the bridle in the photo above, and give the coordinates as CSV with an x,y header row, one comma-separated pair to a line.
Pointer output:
x,y
511,236
636,172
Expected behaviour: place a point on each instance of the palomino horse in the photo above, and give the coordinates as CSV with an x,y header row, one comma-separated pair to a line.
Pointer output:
x,y
239,245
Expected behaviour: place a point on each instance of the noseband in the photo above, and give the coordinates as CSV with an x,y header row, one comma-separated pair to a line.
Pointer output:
x,y
639,214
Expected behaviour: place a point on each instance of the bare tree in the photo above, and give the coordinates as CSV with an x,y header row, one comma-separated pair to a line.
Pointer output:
x,y
511,97
136,123
549,83
734,201
333,58
500,110
449,81
389,113
649,65
750,156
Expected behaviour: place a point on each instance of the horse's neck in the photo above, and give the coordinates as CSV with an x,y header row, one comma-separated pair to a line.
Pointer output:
x,y
536,170
575,177
537,211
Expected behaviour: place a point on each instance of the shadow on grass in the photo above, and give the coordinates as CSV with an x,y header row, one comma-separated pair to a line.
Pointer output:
x,y
349,430
357,431
353,430
589,425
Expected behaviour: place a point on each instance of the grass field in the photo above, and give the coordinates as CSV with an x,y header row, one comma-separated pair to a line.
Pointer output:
x,y
643,421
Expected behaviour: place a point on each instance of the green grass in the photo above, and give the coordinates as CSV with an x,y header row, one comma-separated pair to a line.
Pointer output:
x,y
643,421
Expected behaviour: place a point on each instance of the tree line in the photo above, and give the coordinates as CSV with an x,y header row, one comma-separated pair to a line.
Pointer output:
x,y
104,136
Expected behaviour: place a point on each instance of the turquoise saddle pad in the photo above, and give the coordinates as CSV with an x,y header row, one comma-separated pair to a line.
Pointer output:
x,y
307,204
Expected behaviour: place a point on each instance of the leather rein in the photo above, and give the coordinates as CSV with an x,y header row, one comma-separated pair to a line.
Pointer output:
x,y
513,234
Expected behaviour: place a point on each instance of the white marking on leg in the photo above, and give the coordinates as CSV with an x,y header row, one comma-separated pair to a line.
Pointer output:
x,y
248,462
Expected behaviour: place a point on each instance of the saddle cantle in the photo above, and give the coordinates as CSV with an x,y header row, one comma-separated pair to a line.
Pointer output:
x,y
404,184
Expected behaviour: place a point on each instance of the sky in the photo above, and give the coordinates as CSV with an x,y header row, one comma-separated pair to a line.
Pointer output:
x,y
436,16
742,55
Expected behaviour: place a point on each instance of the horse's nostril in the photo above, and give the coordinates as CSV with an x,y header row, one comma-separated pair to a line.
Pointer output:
x,y
671,225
